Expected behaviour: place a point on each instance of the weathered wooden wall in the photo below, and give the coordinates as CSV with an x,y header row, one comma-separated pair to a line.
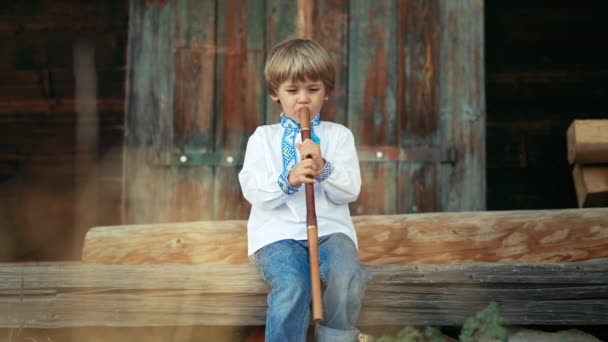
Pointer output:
x,y
545,66
409,85
60,171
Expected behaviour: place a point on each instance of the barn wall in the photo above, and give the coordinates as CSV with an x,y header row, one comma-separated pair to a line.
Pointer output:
x,y
545,66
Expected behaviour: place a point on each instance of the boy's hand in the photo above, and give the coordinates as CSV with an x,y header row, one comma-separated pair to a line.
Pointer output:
x,y
303,172
310,149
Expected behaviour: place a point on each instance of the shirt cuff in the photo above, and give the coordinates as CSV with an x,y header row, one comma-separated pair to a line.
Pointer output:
x,y
284,184
325,171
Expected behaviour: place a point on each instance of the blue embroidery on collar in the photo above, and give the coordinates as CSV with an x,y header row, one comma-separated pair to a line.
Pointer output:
x,y
288,148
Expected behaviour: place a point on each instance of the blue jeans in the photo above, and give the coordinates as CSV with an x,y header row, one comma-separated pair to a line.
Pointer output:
x,y
284,266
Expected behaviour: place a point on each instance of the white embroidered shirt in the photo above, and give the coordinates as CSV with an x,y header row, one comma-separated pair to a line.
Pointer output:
x,y
278,210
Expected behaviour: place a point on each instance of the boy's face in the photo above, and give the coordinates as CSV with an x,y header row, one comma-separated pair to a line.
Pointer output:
x,y
294,95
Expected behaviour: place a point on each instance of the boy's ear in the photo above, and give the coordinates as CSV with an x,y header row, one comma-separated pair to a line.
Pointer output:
x,y
275,99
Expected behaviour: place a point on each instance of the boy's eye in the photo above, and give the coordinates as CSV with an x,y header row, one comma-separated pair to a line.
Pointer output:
x,y
314,89
291,91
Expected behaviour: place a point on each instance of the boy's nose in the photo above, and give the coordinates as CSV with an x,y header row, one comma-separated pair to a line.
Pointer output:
x,y
303,98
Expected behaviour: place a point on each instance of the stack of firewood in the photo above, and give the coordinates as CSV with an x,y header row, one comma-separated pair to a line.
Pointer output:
x,y
588,153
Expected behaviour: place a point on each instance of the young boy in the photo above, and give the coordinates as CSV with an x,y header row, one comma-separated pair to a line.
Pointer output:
x,y
299,73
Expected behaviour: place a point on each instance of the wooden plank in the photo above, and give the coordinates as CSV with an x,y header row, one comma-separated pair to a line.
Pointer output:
x,y
462,104
282,21
372,107
191,124
324,21
242,97
418,103
588,141
419,64
281,24
591,183
149,107
330,29
53,295
440,238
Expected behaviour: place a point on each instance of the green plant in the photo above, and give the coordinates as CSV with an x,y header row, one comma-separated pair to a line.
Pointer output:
x,y
487,323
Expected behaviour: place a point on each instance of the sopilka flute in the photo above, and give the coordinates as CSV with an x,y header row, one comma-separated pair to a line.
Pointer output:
x,y
311,229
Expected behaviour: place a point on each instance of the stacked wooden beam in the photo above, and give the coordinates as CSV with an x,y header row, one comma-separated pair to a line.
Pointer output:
x,y
588,153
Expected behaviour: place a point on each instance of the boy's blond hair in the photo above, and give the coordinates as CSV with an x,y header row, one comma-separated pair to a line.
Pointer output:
x,y
298,60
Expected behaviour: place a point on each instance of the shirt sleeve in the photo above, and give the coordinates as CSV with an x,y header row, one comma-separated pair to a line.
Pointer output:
x,y
344,181
259,183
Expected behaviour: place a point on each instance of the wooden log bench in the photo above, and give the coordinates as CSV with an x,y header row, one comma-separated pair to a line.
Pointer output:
x,y
540,267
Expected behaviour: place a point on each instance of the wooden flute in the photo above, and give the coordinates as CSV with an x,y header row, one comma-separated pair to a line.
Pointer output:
x,y
312,231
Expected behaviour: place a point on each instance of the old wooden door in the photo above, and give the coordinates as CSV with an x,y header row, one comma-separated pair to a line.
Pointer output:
x,y
409,86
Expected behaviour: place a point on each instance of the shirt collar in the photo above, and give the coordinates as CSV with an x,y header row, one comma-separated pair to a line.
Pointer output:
x,y
289,123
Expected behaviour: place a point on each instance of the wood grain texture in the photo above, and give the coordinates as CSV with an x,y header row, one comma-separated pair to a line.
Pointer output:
x,y
591,183
388,74
191,122
433,238
588,141
330,29
149,111
54,295
281,24
170,109
419,50
239,105
462,104
372,101
418,103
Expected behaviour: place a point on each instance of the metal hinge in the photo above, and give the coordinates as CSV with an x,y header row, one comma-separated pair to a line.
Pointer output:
x,y
415,154
194,159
